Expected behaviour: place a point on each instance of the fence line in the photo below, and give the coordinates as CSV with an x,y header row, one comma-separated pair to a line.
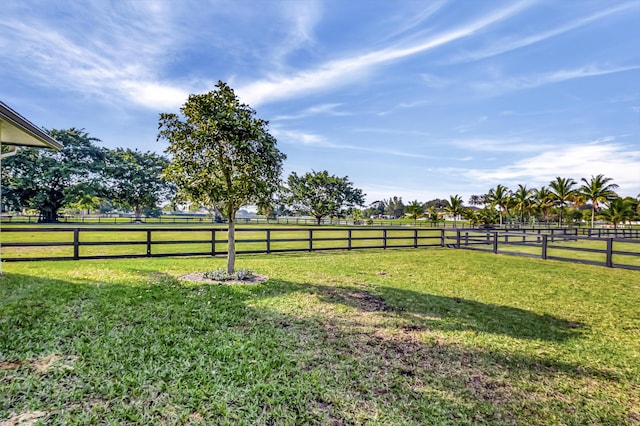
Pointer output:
x,y
150,242
40,243
614,252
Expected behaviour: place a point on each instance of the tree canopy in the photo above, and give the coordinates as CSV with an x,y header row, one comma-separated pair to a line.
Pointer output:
x,y
135,179
221,155
46,180
322,195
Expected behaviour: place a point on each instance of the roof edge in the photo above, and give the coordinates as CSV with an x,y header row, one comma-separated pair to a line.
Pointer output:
x,y
11,116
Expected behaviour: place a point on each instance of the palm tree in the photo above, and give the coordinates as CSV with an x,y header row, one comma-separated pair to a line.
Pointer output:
x,y
433,215
619,211
598,190
562,192
415,210
455,207
542,201
522,201
499,197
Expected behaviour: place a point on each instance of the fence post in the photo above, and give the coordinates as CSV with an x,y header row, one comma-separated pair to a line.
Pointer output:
x,y
457,238
545,239
310,240
495,242
384,238
268,241
76,243
148,242
442,238
415,238
213,242
349,239
609,261
466,238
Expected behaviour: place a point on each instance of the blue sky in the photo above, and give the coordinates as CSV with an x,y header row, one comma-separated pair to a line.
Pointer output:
x,y
419,99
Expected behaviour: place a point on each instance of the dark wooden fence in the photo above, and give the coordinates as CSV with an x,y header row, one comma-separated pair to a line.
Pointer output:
x,y
74,243
560,244
108,242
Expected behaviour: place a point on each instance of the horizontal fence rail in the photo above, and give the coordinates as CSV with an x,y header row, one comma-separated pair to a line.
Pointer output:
x,y
24,244
565,245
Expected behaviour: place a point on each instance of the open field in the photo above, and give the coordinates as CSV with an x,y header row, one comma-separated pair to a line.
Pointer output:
x,y
431,336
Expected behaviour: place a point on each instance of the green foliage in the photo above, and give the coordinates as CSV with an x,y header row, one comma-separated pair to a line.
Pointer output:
x,y
322,195
499,197
414,210
562,192
135,180
47,180
221,155
523,201
598,190
619,211
455,207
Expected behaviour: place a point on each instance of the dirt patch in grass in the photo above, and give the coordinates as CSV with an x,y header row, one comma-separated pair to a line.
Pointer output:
x,y
198,277
360,299
25,419
41,365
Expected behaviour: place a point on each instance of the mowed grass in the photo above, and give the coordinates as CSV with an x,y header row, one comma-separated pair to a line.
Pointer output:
x,y
403,336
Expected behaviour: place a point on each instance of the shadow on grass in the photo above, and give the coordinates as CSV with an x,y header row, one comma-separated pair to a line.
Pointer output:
x,y
161,351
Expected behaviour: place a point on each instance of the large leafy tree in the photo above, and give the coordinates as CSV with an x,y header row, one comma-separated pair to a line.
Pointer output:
x,y
322,195
500,197
135,179
562,192
598,190
47,180
221,155
455,207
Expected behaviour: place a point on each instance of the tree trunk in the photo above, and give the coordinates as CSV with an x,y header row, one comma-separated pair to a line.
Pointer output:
x,y
318,220
231,243
593,216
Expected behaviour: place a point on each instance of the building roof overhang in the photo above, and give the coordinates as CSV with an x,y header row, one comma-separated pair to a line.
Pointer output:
x,y
18,131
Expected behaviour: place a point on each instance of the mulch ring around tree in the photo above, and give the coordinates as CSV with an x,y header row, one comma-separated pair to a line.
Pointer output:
x,y
198,277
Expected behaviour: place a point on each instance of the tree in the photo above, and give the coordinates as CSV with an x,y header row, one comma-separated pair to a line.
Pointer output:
x,y
322,195
432,215
48,180
562,192
477,200
455,207
619,211
499,197
522,201
414,210
393,206
542,201
135,180
222,155
598,190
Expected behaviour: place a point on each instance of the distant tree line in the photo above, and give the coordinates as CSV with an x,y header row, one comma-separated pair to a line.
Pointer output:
x,y
563,201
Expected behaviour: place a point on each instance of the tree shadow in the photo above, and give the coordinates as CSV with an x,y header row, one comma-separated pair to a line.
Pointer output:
x,y
370,360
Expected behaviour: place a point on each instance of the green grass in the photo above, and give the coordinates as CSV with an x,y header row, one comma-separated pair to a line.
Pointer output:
x,y
428,336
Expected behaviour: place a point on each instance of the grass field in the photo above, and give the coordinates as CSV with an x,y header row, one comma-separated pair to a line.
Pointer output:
x,y
403,336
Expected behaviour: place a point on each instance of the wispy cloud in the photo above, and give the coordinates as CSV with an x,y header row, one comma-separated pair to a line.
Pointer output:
x,y
505,45
107,62
311,139
500,86
503,145
343,71
324,109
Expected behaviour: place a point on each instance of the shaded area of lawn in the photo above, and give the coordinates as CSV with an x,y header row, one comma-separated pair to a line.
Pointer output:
x,y
143,347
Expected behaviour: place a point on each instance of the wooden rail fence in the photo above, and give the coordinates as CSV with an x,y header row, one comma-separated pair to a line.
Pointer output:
x,y
41,243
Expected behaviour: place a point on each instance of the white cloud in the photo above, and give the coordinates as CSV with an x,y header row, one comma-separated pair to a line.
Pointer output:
x,y
498,86
505,45
614,160
324,109
343,71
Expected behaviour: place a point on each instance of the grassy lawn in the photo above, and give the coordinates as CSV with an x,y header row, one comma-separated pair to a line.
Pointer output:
x,y
404,336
